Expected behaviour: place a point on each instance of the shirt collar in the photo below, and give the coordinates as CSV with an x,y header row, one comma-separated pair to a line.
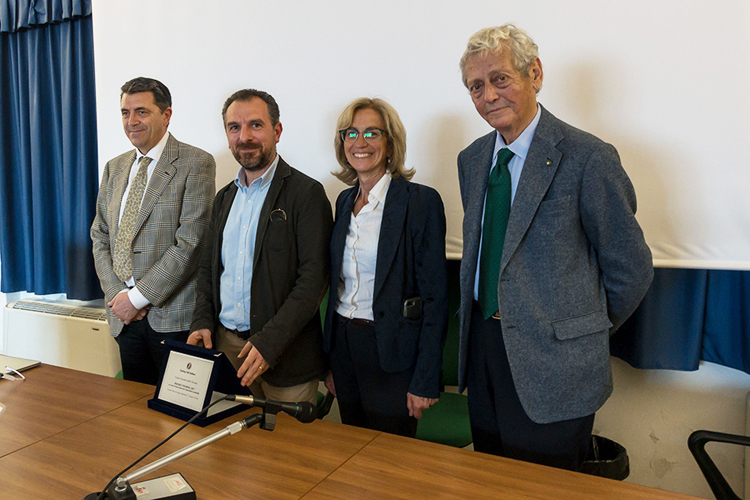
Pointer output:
x,y
264,180
519,147
155,152
380,189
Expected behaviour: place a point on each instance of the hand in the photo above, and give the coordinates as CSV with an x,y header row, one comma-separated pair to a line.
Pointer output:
x,y
253,365
329,383
201,338
142,313
418,404
124,309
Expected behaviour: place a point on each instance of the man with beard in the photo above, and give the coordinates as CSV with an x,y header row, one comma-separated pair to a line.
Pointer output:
x,y
261,283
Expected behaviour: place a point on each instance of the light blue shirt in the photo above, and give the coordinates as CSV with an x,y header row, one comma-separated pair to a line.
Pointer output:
x,y
238,249
520,148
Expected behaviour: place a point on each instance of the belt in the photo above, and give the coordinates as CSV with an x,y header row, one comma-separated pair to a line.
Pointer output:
x,y
358,321
243,335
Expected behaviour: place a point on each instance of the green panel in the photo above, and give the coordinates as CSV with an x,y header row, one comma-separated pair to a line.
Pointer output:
x,y
447,422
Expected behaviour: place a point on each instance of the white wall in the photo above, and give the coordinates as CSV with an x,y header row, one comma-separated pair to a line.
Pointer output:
x,y
652,413
663,80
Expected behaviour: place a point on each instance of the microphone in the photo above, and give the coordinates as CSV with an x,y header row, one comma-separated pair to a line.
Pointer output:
x,y
304,411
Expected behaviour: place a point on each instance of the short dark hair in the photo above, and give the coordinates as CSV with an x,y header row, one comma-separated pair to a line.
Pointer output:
x,y
162,97
246,95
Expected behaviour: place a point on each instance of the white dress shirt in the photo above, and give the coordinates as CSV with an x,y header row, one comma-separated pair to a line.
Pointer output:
x,y
136,297
357,278
520,148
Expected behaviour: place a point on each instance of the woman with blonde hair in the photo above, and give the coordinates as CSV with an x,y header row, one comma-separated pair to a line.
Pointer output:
x,y
388,308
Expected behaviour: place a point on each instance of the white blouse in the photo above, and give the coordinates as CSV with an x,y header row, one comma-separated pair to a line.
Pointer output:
x,y
357,278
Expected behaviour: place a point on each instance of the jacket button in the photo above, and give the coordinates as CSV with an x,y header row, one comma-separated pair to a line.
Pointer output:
x,y
381,314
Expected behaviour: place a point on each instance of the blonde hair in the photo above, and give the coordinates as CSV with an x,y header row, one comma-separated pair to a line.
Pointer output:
x,y
395,132
493,39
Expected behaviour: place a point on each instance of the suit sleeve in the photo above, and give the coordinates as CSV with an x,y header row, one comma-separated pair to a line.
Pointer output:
x,y
335,270
100,237
205,313
313,223
432,279
178,264
608,207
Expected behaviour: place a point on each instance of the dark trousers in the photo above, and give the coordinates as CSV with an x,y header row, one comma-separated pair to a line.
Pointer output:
x,y
368,396
142,351
499,424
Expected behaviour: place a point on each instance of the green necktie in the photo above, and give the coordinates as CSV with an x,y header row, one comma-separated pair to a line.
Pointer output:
x,y
496,214
122,256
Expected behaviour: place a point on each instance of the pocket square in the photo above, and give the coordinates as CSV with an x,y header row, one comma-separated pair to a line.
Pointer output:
x,y
278,215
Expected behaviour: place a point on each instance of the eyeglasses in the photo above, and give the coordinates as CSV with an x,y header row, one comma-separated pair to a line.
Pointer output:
x,y
370,135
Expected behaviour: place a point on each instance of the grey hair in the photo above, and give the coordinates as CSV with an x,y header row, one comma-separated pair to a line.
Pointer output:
x,y
493,39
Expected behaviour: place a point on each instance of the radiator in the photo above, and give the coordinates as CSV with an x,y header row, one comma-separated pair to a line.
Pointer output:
x,y
61,334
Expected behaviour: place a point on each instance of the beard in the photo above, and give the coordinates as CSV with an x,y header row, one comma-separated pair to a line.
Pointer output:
x,y
256,159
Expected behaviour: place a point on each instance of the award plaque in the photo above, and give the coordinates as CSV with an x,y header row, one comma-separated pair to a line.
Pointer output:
x,y
193,377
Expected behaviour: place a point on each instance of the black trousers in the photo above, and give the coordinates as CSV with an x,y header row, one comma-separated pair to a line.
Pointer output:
x,y
142,351
368,396
499,424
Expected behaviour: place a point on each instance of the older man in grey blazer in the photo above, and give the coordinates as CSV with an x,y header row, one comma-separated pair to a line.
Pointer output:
x,y
554,261
153,207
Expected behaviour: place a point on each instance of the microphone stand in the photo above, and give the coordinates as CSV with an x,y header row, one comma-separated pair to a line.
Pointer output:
x,y
122,490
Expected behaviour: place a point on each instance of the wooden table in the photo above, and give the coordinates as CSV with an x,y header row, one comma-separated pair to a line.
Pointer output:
x,y
401,468
64,434
54,399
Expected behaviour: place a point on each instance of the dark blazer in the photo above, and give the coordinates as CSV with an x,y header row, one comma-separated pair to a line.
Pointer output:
x,y
290,275
575,265
169,235
410,263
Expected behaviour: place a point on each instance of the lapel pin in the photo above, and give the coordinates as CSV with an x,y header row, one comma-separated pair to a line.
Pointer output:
x,y
549,162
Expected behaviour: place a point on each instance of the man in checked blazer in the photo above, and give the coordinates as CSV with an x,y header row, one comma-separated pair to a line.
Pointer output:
x,y
569,266
153,207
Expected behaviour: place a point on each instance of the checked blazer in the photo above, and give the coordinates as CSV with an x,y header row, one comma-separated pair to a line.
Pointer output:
x,y
169,231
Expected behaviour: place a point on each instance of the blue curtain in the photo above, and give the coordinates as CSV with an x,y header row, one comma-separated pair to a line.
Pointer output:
x,y
727,324
689,315
48,154
16,15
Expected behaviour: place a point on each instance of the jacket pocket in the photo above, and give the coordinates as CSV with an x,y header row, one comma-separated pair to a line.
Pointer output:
x,y
277,236
579,326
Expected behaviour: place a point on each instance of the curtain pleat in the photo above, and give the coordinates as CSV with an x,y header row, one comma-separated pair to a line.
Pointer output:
x,y
16,15
48,159
689,315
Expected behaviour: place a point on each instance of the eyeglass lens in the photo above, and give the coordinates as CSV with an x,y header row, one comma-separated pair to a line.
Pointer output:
x,y
369,135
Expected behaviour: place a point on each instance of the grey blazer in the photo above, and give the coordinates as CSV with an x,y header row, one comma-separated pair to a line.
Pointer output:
x,y
575,265
174,215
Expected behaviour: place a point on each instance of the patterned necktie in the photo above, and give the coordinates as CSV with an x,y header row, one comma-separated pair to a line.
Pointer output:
x,y
496,214
122,255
